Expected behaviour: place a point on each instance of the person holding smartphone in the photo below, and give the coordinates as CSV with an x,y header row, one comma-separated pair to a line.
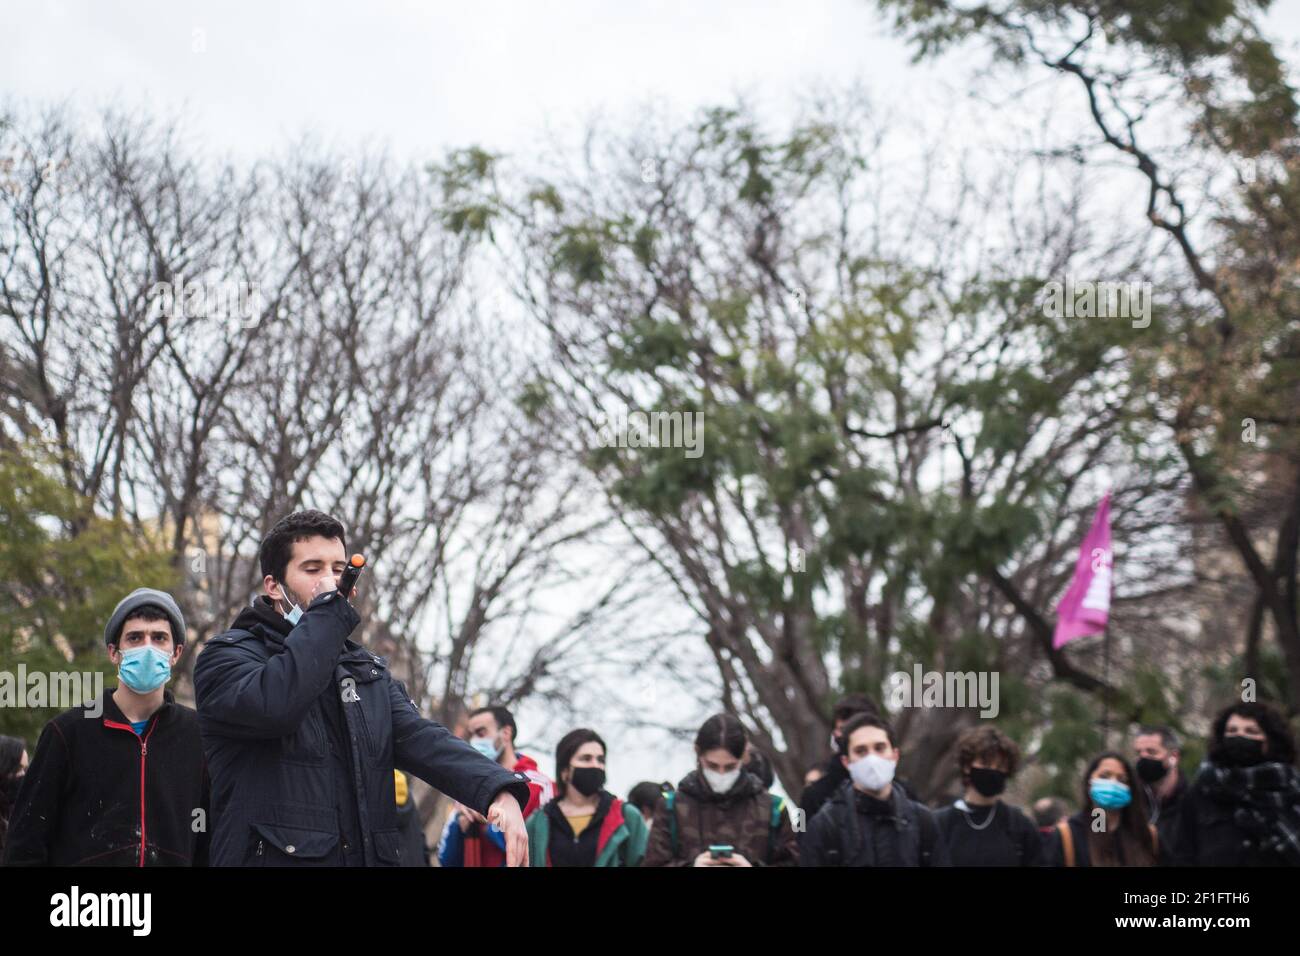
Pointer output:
x,y
720,814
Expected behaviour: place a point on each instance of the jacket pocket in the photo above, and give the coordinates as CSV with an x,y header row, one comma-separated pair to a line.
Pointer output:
x,y
388,846
277,845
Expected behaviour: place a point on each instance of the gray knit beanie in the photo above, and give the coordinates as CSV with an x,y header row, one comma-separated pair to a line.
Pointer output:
x,y
138,599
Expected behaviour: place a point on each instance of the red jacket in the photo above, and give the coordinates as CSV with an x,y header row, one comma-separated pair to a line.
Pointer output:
x,y
485,847
541,789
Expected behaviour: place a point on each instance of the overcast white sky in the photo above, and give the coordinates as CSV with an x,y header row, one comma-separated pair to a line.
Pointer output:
x,y
422,76
247,79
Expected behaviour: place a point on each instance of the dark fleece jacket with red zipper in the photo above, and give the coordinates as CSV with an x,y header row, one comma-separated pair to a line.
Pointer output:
x,y
96,794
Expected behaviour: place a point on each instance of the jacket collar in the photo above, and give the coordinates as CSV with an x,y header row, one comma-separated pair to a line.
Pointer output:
x,y
611,824
523,763
607,806
854,799
111,712
261,618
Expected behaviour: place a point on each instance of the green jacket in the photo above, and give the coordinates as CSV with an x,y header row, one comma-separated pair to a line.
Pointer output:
x,y
622,839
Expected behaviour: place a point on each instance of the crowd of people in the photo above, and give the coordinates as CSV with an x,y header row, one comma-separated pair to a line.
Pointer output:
x,y
1135,808
299,748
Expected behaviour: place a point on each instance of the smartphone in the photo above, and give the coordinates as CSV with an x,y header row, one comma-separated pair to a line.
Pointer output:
x,y
721,851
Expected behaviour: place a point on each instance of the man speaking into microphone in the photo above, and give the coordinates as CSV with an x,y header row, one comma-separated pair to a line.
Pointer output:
x,y
303,727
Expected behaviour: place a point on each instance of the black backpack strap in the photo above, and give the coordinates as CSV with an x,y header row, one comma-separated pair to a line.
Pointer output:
x,y
833,849
774,825
928,834
1017,833
670,800
847,836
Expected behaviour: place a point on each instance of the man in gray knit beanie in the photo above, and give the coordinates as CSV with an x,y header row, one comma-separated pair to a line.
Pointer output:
x,y
125,784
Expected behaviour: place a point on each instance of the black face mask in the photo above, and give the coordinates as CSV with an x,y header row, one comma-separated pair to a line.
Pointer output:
x,y
588,780
1151,770
1239,751
987,782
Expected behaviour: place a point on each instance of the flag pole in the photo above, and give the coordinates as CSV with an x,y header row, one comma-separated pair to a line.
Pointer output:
x,y
1105,691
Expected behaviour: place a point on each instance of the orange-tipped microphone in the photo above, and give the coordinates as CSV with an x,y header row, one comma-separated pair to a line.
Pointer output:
x,y
350,574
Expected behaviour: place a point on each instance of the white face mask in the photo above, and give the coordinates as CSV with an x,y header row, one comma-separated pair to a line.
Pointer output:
x,y
872,772
720,782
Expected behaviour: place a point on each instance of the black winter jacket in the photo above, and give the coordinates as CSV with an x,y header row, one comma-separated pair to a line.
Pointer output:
x,y
303,728
1211,832
1166,814
816,794
853,830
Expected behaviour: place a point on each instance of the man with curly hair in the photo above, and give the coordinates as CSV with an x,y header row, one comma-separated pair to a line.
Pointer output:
x,y
979,829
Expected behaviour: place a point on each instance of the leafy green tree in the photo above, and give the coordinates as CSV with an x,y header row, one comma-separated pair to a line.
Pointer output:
x,y
896,431
62,571
1222,367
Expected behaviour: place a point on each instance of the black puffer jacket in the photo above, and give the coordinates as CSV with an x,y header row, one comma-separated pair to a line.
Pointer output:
x,y
303,727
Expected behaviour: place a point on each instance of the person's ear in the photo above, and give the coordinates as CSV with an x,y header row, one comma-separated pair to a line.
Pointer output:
x,y
844,761
176,653
114,655
272,588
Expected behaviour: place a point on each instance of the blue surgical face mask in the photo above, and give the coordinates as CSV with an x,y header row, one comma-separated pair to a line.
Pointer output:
x,y
486,746
294,614
1109,794
144,669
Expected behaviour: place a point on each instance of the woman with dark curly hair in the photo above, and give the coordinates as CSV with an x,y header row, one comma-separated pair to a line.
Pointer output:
x,y
1243,808
1112,828
979,828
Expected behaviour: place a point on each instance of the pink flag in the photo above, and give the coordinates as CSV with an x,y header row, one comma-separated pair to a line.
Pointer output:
x,y
1086,606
